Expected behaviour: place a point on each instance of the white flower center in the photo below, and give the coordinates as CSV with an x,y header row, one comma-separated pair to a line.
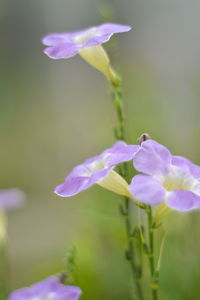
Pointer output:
x,y
177,179
82,38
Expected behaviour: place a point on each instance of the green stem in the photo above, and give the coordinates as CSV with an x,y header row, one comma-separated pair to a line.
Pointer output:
x,y
130,253
154,277
125,209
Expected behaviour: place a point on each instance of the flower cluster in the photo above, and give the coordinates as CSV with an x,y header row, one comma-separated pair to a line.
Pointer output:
x,y
173,180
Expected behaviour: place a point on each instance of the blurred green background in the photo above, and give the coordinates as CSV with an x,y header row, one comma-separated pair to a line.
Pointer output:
x,y
55,114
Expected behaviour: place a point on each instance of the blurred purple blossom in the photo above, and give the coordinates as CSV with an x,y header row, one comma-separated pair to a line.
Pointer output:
x,y
172,179
67,44
48,289
11,198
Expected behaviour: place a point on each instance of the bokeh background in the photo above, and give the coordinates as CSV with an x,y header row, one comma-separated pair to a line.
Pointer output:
x,y
55,114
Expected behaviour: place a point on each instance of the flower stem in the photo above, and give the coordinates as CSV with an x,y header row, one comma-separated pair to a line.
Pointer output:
x,y
130,252
153,272
125,207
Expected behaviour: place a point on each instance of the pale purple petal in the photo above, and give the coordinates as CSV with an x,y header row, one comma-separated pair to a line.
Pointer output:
x,y
54,39
147,189
152,158
42,290
183,200
76,184
120,152
111,28
61,51
187,165
96,40
72,186
11,198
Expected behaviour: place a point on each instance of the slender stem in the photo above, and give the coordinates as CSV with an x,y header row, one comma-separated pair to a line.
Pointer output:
x,y
125,209
130,253
154,279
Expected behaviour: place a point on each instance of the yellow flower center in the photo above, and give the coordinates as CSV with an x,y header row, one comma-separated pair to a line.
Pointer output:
x,y
178,180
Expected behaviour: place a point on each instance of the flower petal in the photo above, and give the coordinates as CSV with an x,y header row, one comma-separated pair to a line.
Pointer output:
x,y
111,28
186,164
183,200
147,189
97,40
120,152
152,158
54,39
63,50
72,186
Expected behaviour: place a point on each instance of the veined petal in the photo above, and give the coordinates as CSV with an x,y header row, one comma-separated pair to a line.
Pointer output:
x,y
120,152
72,186
147,189
64,50
183,200
152,158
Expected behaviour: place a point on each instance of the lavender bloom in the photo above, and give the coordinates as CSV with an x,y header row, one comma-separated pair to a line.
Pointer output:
x,y
87,43
167,179
48,289
11,198
99,170
68,44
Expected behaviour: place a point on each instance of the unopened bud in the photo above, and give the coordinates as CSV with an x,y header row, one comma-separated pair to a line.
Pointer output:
x,y
144,137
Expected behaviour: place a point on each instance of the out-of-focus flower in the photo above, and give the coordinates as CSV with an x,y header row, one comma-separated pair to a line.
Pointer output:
x,y
87,43
99,170
9,199
171,180
48,289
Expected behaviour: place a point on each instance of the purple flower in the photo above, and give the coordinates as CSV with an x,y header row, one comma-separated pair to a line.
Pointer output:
x,y
48,289
173,180
99,169
68,44
87,43
11,198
